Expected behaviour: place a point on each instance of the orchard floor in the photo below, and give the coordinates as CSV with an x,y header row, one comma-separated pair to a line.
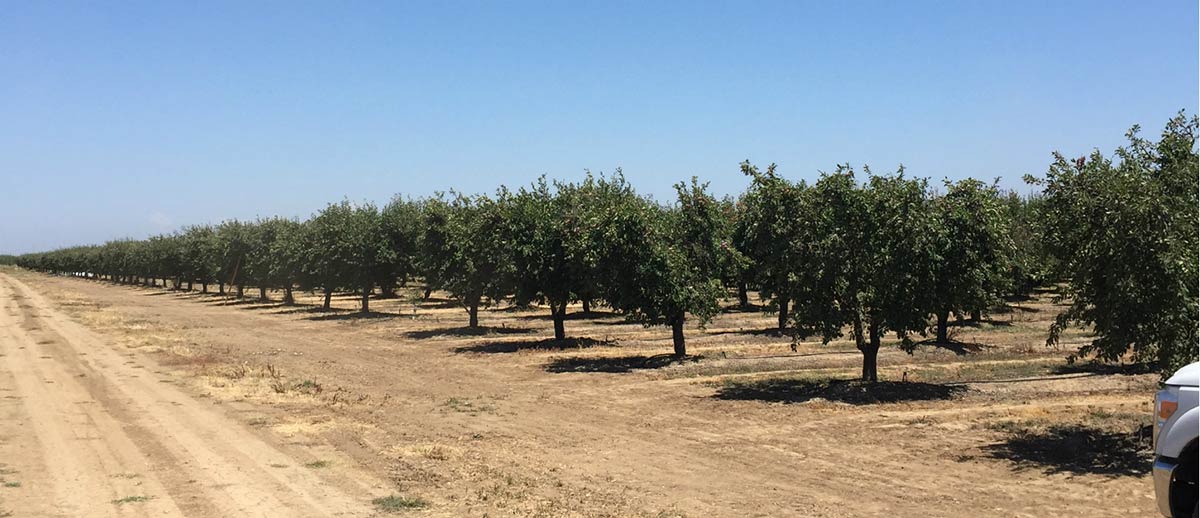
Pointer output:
x,y
405,401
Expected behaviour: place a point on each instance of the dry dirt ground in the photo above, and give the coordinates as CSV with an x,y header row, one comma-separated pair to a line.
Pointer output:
x,y
121,400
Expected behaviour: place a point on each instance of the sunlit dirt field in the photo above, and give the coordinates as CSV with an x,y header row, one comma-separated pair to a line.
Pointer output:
x,y
407,402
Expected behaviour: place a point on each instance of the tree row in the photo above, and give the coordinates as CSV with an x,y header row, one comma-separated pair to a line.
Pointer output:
x,y
854,254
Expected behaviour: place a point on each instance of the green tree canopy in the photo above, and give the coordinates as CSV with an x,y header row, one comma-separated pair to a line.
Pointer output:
x,y
869,253
464,250
974,251
1124,234
769,227
550,246
347,248
665,260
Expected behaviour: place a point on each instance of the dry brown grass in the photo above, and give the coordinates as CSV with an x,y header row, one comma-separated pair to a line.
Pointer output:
x,y
504,423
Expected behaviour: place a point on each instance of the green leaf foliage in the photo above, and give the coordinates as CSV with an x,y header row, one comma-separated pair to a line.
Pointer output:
x,y
1123,230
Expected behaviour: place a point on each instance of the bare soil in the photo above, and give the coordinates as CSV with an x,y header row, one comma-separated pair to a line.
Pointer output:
x,y
121,401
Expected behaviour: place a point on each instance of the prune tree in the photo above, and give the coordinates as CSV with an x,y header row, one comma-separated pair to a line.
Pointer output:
x,y
199,247
400,221
163,258
347,248
465,251
591,205
1030,265
264,257
665,261
287,255
433,244
548,231
767,232
734,265
1124,234
974,250
871,254
233,242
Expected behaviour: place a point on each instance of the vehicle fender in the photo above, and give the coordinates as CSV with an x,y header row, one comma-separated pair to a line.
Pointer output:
x,y
1183,431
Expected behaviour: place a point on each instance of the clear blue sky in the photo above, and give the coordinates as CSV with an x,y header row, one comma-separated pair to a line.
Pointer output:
x,y
126,119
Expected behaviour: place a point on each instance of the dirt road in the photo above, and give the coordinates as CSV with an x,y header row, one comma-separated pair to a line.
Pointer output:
x,y
89,431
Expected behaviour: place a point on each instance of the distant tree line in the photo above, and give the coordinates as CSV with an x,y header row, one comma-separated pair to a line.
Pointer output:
x,y
854,253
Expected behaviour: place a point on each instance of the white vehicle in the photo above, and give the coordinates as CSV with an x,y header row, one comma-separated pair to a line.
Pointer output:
x,y
1176,428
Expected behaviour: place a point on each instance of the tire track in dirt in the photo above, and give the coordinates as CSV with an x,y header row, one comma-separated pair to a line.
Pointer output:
x,y
111,440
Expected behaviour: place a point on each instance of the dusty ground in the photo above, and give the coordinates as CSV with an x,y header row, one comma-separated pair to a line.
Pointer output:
x,y
208,406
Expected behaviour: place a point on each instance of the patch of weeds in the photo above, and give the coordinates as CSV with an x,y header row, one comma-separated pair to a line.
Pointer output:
x,y
278,465
132,499
985,371
397,503
238,371
922,421
317,464
435,453
258,422
1017,426
467,406
11,483
308,387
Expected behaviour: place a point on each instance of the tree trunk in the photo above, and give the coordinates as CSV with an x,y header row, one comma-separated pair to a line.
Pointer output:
x,y
428,292
587,306
204,287
387,291
860,340
221,287
783,314
559,313
328,297
366,298
190,286
677,336
177,284
743,295
262,293
473,309
942,318
870,371
976,315
241,290
288,299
